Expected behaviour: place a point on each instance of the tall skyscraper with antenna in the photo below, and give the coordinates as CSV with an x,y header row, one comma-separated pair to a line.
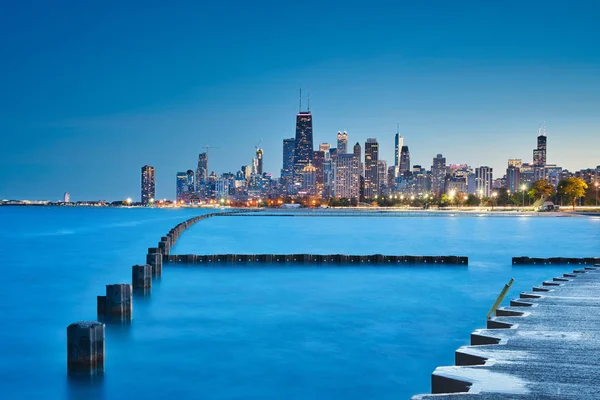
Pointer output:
x,y
303,150
539,153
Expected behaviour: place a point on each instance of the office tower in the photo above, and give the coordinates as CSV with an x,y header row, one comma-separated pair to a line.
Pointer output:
x,y
513,178
309,180
382,177
539,154
147,184
391,178
484,180
342,142
259,161
303,150
438,175
356,150
404,166
190,183
288,156
399,143
346,176
371,172
67,197
181,186
527,173
202,175
325,147
318,162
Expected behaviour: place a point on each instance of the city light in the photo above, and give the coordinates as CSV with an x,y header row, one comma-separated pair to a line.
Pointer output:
x,y
128,201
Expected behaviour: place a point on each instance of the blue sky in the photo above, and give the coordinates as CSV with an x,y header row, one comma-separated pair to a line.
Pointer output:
x,y
91,91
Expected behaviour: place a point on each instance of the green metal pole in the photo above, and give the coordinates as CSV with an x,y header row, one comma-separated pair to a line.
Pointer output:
x,y
500,298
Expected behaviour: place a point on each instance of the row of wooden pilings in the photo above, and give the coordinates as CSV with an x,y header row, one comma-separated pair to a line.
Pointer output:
x,y
86,339
555,260
375,259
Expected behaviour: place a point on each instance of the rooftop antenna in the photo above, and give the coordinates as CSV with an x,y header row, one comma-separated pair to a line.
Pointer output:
x,y
300,106
539,129
544,128
398,127
308,101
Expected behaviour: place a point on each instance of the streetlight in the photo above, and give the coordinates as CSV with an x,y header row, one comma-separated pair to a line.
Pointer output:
x,y
494,199
596,184
523,187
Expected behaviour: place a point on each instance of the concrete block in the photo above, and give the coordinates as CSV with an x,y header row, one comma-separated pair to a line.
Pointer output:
x,y
85,348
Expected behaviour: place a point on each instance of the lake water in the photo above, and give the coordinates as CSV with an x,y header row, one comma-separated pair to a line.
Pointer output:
x,y
270,332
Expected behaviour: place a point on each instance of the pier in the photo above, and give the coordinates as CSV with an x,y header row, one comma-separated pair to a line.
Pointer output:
x,y
544,345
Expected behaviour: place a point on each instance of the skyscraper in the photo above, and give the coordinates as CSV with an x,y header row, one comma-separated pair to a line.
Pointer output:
x,y
404,166
357,153
399,143
202,175
309,180
325,147
318,163
371,170
148,192
190,183
287,172
382,176
346,176
288,156
438,175
342,143
539,154
484,179
303,151
181,186
513,178
259,159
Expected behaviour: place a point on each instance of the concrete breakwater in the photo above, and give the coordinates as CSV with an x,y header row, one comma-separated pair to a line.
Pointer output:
x,y
544,345
555,261
256,259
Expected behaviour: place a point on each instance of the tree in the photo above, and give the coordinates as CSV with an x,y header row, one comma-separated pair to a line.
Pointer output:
x,y
541,188
444,200
473,200
574,188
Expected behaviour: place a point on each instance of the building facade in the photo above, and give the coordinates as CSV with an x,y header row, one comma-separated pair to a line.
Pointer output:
x,y
484,180
342,143
438,175
303,146
148,187
371,168
346,176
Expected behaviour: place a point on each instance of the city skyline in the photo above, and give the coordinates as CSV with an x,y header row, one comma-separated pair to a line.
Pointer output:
x,y
83,109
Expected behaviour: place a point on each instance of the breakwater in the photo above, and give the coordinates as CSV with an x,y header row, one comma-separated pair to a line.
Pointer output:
x,y
543,345
374,259
555,261
86,339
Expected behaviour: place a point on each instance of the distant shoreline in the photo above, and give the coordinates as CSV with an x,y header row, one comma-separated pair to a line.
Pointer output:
x,y
472,211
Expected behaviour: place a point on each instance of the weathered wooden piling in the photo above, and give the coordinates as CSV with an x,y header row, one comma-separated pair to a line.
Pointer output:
x,y
141,276
117,303
85,348
155,259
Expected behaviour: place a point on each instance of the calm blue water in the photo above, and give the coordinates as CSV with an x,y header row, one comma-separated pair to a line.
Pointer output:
x,y
273,333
